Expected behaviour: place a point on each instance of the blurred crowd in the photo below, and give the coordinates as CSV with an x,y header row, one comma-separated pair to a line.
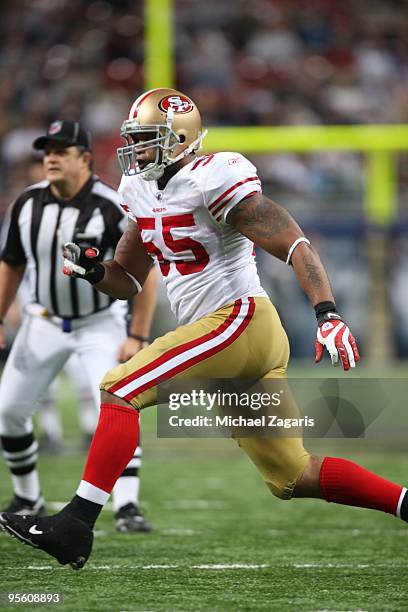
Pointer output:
x,y
294,62
245,62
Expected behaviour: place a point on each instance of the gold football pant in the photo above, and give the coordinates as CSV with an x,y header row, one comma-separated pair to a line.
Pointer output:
x,y
241,340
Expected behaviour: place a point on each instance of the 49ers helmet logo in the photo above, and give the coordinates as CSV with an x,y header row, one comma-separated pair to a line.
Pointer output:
x,y
179,104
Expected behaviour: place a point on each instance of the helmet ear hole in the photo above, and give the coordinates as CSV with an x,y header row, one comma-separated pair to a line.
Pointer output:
x,y
182,138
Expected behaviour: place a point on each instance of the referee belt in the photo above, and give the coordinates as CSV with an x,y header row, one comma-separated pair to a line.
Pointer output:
x,y
66,325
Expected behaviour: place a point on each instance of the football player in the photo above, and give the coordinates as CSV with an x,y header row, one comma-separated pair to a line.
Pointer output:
x,y
199,217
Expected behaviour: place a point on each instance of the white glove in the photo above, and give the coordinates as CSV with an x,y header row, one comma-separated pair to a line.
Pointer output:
x,y
334,334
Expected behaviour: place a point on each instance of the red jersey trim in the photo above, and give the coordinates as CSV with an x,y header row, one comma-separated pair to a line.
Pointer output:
x,y
233,188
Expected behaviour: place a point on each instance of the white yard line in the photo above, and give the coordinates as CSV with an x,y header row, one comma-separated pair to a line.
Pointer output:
x,y
152,566
178,532
338,565
220,566
148,567
214,566
276,532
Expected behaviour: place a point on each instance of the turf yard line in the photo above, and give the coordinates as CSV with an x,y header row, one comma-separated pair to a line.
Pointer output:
x,y
216,566
332,565
178,532
374,566
152,567
232,566
116,567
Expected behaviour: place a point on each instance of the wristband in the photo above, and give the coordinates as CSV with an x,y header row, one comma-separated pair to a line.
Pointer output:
x,y
137,337
96,274
322,307
293,247
134,281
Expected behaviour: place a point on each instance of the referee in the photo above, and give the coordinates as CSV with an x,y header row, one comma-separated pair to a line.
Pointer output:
x,y
63,316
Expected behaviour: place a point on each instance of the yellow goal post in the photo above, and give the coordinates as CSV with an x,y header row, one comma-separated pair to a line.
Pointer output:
x,y
378,143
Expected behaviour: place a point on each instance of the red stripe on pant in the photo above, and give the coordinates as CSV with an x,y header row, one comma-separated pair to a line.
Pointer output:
x,y
173,352
194,360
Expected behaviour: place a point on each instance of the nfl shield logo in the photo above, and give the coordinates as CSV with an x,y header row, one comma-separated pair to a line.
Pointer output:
x,y
55,127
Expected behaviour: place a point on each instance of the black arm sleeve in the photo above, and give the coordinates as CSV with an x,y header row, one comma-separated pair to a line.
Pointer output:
x,y
12,251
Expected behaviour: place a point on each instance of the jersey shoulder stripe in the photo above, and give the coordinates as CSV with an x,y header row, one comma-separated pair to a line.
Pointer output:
x,y
220,200
224,181
203,161
218,216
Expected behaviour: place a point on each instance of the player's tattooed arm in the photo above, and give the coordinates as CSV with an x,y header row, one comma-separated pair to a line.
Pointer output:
x,y
131,260
271,227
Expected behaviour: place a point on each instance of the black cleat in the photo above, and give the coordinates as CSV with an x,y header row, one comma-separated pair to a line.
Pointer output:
x,y
129,519
21,506
62,536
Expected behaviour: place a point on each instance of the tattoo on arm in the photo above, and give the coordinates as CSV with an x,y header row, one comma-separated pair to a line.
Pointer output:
x,y
262,219
313,272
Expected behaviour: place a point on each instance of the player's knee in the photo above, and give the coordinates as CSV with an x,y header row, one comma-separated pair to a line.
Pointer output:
x,y
308,484
110,398
283,489
283,478
12,423
281,462
113,383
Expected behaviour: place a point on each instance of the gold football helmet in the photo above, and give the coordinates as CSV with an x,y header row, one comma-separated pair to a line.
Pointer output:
x,y
174,123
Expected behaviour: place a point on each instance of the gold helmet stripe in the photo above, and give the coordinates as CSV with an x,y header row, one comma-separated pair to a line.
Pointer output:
x,y
136,104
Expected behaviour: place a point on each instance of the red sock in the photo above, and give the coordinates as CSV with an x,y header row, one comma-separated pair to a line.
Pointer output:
x,y
345,482
113,445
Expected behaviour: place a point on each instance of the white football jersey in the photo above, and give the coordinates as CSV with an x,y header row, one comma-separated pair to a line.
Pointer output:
x,y
205,262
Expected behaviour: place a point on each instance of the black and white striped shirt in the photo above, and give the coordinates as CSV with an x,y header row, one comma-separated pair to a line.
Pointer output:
x,y
39,224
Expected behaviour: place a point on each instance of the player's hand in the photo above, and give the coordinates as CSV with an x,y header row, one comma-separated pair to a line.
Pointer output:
x,y
129,348
79,260
335,335
83,261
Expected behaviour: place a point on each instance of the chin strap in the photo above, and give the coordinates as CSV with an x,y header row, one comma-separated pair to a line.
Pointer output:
x,y
154,173
194,146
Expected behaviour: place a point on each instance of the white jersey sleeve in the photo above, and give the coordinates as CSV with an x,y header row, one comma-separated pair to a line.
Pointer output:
x,y
229,179
127,191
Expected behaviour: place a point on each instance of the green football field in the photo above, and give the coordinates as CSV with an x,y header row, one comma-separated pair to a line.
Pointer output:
x,y
220,540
